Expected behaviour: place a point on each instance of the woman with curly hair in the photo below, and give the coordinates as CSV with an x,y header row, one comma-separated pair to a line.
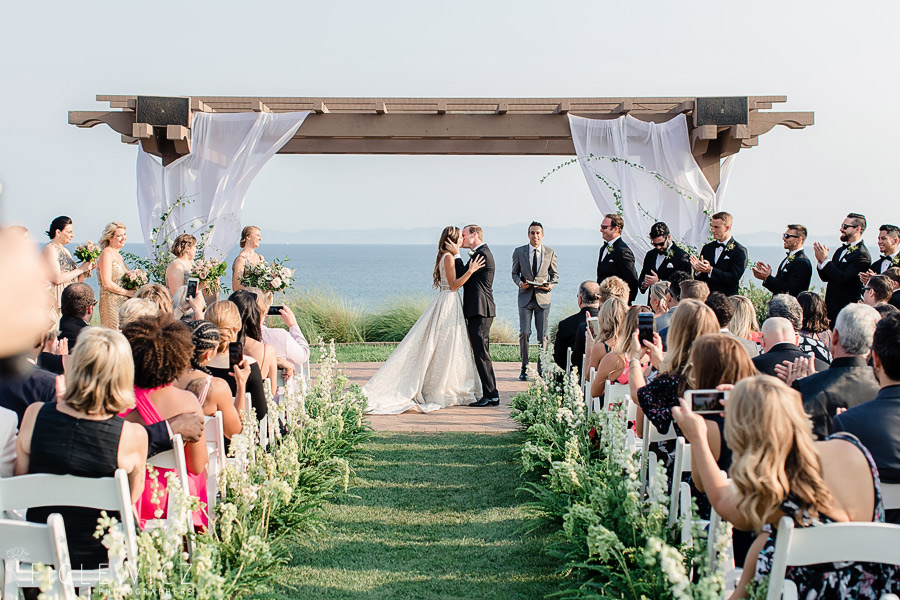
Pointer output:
x,y
777,470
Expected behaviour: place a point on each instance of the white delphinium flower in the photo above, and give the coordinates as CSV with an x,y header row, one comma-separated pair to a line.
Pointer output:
x,y
671,562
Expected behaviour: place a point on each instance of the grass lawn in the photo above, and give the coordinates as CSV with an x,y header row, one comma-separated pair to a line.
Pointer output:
x,y
380,353
428,516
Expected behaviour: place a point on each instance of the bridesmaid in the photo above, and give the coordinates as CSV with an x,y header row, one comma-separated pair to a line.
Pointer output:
x,y
251,238
179,270
111,268
60,264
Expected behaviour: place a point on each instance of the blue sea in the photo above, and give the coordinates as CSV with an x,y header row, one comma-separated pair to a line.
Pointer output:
x,y
371,276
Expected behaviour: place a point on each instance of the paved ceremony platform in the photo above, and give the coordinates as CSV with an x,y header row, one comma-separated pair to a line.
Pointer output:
x,y
456,418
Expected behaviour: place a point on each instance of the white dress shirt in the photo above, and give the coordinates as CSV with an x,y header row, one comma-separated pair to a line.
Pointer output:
x,y
721,249
531,252
607,245
289,344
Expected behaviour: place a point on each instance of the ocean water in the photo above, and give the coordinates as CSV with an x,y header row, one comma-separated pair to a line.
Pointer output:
x,y
373,275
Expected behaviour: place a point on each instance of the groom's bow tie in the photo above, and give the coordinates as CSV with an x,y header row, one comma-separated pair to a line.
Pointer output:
x,y
720,244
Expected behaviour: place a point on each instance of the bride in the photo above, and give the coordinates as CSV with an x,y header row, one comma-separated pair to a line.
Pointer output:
x,y
433,365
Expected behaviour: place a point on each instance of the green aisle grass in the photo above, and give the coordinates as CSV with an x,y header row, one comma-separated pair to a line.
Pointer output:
x,y
428,516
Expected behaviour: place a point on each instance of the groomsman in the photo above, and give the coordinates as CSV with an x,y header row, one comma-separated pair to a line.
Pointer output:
x,y
536,263
795,271
665,258
841,272
616,258
723,261
888,240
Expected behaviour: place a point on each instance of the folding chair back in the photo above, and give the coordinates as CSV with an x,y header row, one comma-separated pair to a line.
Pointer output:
x,y
26,544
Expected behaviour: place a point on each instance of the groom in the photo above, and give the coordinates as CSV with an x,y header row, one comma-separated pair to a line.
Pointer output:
x,y
479,311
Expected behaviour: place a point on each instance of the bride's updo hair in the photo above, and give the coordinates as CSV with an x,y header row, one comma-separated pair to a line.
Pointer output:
x,y
108,232
245,233
182,244
58,224
450,233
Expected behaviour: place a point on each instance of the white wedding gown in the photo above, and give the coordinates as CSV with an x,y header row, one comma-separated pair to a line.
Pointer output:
x,y
432,367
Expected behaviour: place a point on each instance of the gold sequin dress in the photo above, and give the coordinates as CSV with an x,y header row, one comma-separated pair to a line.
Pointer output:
x,y
110,301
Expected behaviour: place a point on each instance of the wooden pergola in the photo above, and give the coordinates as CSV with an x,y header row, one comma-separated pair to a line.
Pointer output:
x,y
718,127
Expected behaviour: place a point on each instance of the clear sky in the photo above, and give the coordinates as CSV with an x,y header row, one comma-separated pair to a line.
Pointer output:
x,y
837,59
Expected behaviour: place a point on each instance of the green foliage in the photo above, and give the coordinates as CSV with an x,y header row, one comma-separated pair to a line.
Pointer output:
x,y
349,353
395,320
324,315
760,298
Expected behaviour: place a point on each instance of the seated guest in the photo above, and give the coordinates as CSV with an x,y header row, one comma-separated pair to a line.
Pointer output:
x,y
290,345
83,435
744,324
724,311
135,308
886,309
24,385
894,275
614,365
815,336
570,331
251,331
610,319
614,287
690,289
9,426
162,350
672,297
159,295
779,342
849,380
877,422
878,290
188,309
77,307
657,298
778,470
50,353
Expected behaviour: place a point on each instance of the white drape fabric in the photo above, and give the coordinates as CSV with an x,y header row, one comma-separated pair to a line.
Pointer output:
x,y
659,149
227,152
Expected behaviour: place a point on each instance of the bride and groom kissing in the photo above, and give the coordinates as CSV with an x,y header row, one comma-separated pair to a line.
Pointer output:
x,y
445,358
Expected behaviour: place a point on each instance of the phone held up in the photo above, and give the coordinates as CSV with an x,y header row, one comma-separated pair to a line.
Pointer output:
x,y
192,284
593,326
646,327
274,310
705,402
235,354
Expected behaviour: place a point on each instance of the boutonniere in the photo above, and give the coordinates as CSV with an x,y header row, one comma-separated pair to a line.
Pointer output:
x,y
730,246
853,248
471,253
895,259
791,257
609,248
670,253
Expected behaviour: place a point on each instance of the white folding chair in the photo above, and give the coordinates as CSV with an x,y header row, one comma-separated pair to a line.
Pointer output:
x,y
568,360
891,495
215,445
173,459
834,542
682,456
26,544
264,432
615,393
651,436
102,493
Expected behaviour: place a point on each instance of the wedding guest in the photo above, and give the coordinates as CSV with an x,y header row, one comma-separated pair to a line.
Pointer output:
x,y
135,308
849,381
290,345
815,336
690,289
614,364
724,311
23,384
159,295
213,393
60,265
50,353
888,242
779,341
744,324
818,483
658,299
83,435
184,248
251,331
673,296
251,238
886,309
657,397
77,307
613,287
610,318
227,319
893,274
878,290
24,307
537,263
786,307
111,267
8,431
570,331
723,261
188,309
162,349
616,258
665,258
794,272
841,271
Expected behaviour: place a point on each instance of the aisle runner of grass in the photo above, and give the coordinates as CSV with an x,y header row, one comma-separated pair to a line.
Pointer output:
x,y
428,516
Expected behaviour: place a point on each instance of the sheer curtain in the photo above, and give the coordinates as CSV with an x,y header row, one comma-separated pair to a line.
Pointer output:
x,y
663,153
227,152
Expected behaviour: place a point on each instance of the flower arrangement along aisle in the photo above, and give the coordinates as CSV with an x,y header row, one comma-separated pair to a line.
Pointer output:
x,y
87,252
208,271
267,497
269,277
134,279
614,542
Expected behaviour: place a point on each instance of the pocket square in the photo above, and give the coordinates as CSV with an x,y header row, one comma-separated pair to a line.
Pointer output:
x,y
726,257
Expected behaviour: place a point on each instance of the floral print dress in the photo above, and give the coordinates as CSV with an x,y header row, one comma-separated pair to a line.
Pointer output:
x,y
867,581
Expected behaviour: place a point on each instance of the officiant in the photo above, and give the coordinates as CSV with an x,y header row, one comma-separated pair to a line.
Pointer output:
x,y
534,271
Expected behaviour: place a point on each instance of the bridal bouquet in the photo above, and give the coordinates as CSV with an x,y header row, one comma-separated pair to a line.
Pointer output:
x,y
134,279
269,277
208,271
87,252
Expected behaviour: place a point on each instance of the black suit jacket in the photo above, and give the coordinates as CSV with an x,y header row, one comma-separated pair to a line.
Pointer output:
x,y
791,276
877,265
680,261
567,337
765,363
847,383
842,278
895,299
877,425
69,328
18,392
727,272
478,291
619,262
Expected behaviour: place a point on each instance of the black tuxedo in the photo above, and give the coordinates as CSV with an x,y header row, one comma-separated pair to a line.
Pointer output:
x,y
69,328
895,299
619,262
18,392
680,261
792,276
848,382
878,264
479,311
842,278
765,363
726,274
567,336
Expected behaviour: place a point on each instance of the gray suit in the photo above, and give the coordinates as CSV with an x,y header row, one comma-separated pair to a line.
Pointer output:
x,y
533,301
